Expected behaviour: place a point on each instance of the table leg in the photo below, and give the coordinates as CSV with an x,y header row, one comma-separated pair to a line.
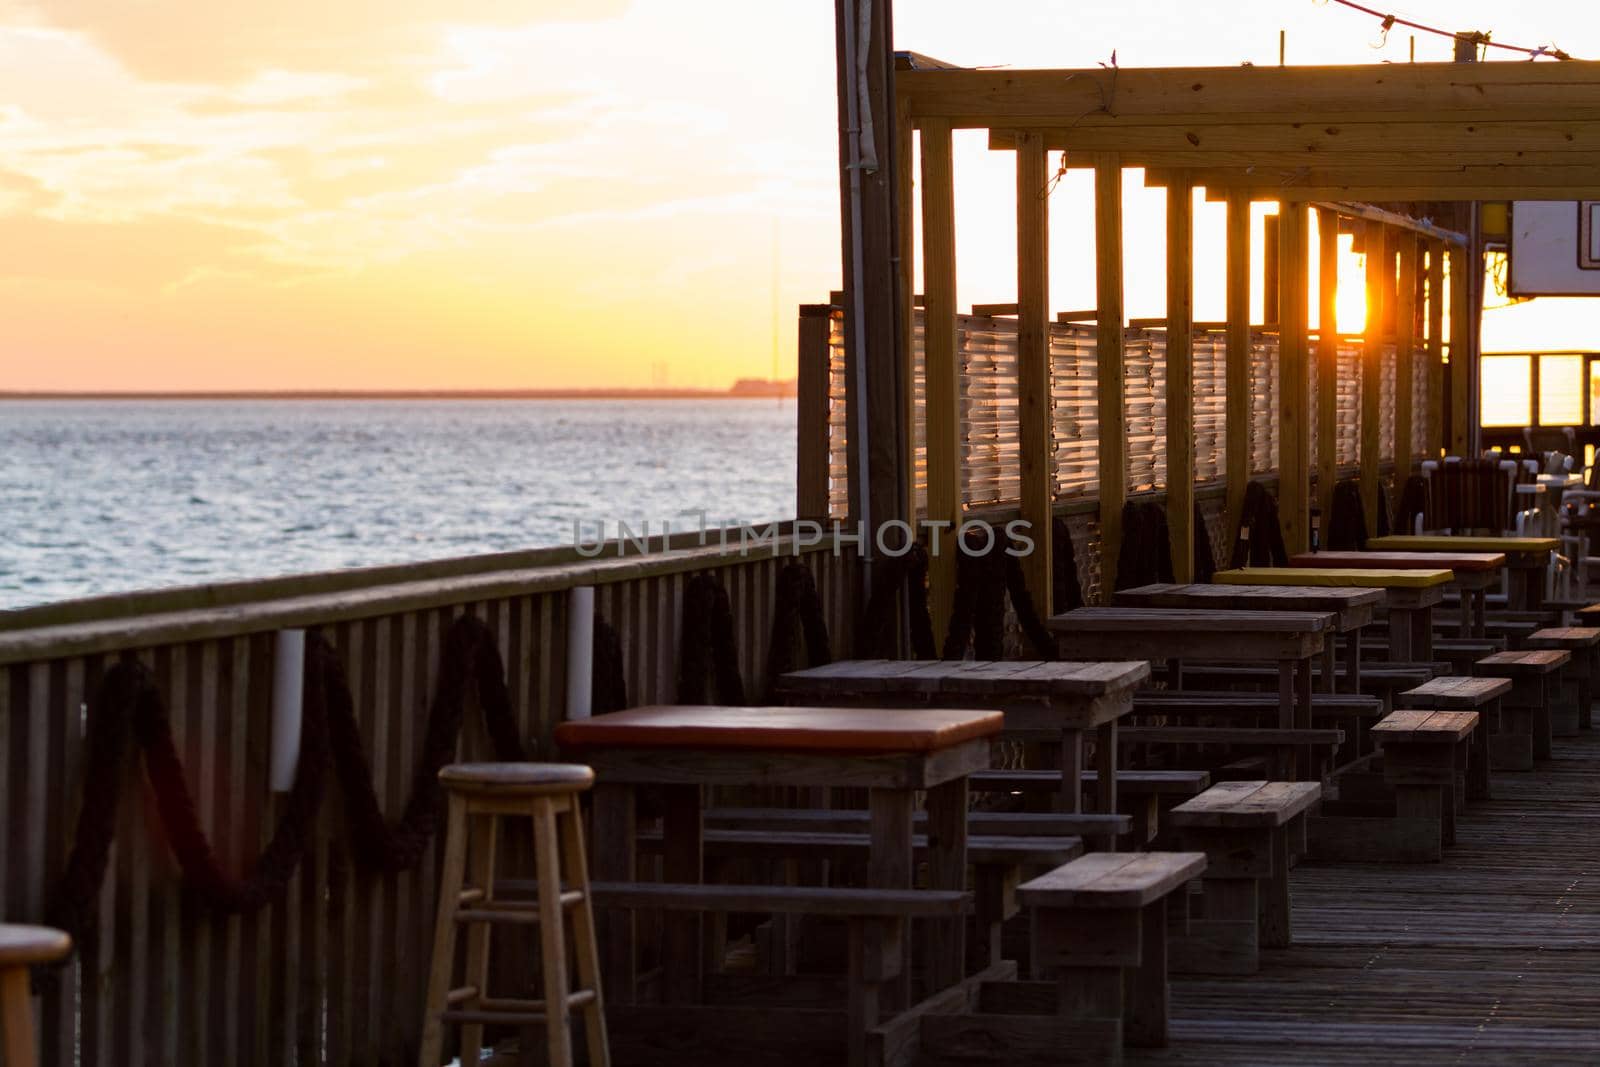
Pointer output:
x,y
947,869
1329,662
1422,634
1286,694
1071,801
890,866
1480,612
1302,713
614,848
1400,631
1105,765
1466,612
1352,662
683,861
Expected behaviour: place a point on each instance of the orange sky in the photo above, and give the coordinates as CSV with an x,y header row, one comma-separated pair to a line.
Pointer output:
x,y
505,193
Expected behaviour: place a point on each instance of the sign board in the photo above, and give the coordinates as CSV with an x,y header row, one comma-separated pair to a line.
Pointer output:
x,y
1555,248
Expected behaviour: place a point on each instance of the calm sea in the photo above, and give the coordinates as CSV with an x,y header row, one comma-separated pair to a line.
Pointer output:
x,y
109,496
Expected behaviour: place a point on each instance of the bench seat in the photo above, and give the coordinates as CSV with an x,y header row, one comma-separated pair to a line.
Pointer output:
x,y
982,824
1535,677
1572,711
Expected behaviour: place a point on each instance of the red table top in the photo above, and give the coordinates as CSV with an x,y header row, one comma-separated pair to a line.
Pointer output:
x,y
1403,561
782,729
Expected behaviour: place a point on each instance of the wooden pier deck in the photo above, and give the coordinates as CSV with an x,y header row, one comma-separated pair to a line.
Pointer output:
x,y
1491,957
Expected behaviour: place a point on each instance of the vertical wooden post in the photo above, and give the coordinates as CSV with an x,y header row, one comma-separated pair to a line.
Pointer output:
x,y
1294,385
811,389
943,415
1236,447
1111,405
1033,362
1327,398
1372,369
905,208
1405,343
1460,355
1436,439
1271,287
1180,374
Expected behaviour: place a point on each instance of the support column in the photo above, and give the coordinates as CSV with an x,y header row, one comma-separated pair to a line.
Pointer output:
x,y
1372,369
942,390
1460,355
1435,438
1327,399
1180,374
1112,408
1405,340
1033,363
1236,447
1294,385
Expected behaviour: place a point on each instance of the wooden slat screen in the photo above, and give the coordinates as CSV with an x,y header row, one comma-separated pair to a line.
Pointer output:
x,y
1420,406
1263,403
1386,403
1076,422
1210,405
1348,403
838,461
1144,363
990,467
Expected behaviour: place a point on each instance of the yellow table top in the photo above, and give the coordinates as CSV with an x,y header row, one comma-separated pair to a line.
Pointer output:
x,y
1427,543
1366,577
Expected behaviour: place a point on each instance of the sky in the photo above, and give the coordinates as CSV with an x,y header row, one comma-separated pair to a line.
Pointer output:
x,y
456,194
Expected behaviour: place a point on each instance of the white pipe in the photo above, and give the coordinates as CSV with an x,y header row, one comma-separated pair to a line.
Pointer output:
x,y
288,692
580,652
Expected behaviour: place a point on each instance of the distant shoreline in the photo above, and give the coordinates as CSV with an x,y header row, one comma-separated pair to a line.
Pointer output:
x,y
422,394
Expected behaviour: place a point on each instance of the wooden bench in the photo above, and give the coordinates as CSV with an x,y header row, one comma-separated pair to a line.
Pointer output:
x,y
1247,831
998,862
1571,711
1534,674
1140,794
1284,745
1461,653
877,929
1381,680
1099,967
1482,695
1425,755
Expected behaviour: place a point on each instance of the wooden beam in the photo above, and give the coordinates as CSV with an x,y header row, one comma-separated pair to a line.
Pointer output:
x,y
989,311
1414,92
1111,405
1033,365
811,388
1327,364
943,391
1436,440
1460,356
1405,317
1371,371
1336,173
1294,385
1270,264
1396,167
906,207
1236,448
1410,189
1180,378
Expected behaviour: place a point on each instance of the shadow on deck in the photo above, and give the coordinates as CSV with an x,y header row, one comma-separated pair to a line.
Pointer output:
x,y
1492,956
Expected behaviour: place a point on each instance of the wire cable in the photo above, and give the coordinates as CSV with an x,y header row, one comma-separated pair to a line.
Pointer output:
x,y
1389,21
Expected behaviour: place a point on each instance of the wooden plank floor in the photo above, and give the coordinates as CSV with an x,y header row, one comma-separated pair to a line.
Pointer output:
x,y
1491,957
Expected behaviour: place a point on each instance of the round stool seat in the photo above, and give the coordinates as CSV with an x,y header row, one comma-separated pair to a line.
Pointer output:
x,y
517,779
25,945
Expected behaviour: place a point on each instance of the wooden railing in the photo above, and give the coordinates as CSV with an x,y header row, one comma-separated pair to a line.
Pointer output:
x,y
333,971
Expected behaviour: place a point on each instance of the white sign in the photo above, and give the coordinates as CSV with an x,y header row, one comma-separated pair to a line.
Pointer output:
x,y
1555,248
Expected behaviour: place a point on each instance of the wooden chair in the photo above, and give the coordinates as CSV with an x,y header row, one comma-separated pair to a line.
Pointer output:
x,y
1572,712
1425,757
21,947
480,794
1099,963
1482,695
1534,674
1247,831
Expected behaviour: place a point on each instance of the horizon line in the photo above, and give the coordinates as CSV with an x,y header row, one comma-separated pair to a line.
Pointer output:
x,y
784,391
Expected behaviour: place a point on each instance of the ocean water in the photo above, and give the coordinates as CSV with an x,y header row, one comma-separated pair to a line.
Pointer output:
x,y
110,496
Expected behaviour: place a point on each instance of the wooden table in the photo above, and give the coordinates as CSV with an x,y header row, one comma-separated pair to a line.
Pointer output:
x,y
1526,560
1042,701
1292,638
682,749
1411,597
1351,607
1474,573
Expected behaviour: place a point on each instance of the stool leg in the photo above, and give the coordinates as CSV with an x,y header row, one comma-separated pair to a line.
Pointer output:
x,y
444,934
482,834
577,866
18,1017
552,936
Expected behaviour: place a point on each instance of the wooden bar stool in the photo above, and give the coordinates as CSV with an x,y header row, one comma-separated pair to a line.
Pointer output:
x,y
480,794
20,948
